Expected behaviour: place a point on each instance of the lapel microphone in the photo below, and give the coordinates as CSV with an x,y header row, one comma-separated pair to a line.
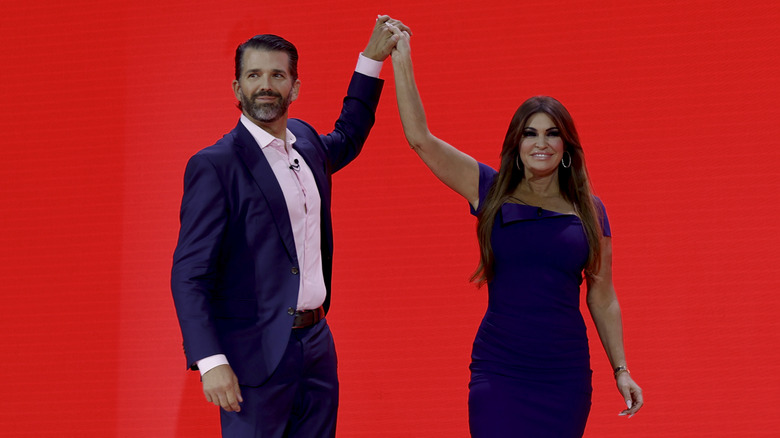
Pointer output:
x,y
295,166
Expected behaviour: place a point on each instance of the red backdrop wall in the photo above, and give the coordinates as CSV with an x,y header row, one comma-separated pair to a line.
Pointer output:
x,y
101,104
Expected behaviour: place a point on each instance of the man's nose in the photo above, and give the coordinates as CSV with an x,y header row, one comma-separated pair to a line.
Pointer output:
x,y
264,82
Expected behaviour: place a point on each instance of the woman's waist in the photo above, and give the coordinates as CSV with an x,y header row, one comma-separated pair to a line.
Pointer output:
x,y
518,350
534,322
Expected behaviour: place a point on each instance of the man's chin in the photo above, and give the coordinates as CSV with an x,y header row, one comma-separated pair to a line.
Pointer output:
x,y
267,116
267,119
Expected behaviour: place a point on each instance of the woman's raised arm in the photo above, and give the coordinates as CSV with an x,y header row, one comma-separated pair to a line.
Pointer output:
x,y
457,170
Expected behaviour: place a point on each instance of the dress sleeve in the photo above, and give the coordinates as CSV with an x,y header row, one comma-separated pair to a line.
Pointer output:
x,y
602,211
486,177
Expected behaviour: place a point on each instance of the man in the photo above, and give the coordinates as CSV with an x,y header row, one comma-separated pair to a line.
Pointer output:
x,y
252,268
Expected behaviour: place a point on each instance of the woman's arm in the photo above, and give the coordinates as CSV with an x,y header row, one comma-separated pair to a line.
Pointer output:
x,y
605,311
458,171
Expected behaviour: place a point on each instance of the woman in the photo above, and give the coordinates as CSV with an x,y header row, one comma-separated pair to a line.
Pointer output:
x,y
539,228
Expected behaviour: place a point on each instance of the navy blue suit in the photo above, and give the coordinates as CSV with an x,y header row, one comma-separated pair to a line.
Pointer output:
x,y
235,275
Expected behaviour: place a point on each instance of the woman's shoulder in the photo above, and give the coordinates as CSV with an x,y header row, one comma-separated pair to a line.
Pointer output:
x,y
601,212
486,177
486,173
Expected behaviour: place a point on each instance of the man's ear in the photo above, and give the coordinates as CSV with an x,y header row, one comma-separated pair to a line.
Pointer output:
x,y
237,89
296,88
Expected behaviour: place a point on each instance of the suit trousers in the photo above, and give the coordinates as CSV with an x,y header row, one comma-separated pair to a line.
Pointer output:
x,y
299,400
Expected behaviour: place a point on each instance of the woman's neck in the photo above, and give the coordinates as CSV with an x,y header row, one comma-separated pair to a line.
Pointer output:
x,y
540,186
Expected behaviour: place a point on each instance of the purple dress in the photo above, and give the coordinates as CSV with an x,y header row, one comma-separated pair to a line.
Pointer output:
x,y
530,368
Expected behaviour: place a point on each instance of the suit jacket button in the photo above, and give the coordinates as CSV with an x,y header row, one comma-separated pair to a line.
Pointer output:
x,y
290,311
294,270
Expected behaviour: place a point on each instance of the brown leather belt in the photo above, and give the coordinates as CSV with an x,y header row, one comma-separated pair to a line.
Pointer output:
x,y
307,318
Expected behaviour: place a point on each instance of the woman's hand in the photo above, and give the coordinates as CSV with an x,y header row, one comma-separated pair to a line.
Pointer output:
x,y
402,47
631,392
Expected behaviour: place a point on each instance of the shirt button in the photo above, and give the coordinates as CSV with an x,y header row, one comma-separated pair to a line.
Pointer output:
x,y
294,270
290,311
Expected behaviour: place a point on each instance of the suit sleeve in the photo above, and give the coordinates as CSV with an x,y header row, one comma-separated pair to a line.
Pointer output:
x,y
203,220
357,118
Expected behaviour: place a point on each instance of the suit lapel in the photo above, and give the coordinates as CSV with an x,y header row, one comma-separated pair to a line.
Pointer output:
x,y
306,150
263,175
317,166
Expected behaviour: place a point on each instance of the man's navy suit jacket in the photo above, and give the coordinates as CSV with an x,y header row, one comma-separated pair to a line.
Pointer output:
x,y
235,275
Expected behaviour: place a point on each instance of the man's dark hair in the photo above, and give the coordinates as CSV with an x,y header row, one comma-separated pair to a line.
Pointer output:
x,y
271,43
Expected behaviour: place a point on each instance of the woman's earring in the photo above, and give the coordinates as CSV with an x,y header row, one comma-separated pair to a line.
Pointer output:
x,y
565,165
517,162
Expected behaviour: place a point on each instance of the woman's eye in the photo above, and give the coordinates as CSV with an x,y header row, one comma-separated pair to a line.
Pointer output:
x,y
554,133
529,134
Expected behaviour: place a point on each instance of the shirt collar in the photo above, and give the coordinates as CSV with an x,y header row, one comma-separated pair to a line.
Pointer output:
x,y
263,138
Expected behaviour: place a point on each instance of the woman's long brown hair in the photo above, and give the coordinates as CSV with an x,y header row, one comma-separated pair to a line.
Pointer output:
x,y
573,183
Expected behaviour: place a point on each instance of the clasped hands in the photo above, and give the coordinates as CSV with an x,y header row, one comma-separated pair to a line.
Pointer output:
x,y
387,32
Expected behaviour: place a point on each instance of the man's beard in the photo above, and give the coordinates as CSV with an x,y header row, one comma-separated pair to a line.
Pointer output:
x,y
265,112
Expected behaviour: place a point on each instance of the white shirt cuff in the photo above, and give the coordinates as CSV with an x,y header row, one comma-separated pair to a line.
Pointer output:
x,y
207,363
368,66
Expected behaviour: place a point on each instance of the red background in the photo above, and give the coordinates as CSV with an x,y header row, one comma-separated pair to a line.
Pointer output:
x,y
102,102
